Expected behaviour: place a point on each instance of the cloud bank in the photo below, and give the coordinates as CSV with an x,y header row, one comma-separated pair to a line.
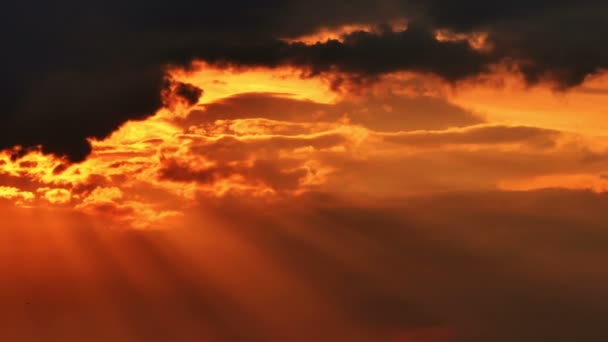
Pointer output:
x,y
73,71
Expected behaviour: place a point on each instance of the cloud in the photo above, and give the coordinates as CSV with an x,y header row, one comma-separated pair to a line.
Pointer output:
x,y
265,217
530,32
16,194
75,72
268,145
56,196
364,54
278,163
477,135
387,112
188,92
111,206
325,190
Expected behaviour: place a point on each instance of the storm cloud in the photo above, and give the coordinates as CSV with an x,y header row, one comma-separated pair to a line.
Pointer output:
x,y
72,70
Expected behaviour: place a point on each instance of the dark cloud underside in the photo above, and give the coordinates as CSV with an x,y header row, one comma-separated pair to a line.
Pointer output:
x,y
72,70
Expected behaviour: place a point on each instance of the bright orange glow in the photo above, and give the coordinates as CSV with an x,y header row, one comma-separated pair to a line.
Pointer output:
x,y
325,34
20,197
581,109
275,186
219,83
337,33
321,174
307,137
56,196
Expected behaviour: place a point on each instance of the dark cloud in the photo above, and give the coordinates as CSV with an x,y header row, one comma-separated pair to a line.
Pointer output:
x,y
472,14
559,41
190,93
72,70
363,54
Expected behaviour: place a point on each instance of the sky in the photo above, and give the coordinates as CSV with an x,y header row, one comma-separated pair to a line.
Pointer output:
x,y
401,171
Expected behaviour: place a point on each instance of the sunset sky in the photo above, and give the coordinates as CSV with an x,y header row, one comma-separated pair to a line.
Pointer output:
x,y
390,170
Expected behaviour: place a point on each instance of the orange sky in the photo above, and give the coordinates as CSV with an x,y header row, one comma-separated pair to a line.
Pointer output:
x,y
358,171
273,133
255,152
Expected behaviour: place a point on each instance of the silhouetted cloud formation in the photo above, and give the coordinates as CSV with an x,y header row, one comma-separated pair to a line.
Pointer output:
x,y
74,70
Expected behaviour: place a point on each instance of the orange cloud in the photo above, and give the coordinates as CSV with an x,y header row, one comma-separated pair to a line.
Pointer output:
x,y
56,196
337,33
20,197
263,134
280,192
219,83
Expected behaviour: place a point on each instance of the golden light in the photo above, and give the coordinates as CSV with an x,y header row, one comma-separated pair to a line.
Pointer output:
x,y
325,34
223,82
